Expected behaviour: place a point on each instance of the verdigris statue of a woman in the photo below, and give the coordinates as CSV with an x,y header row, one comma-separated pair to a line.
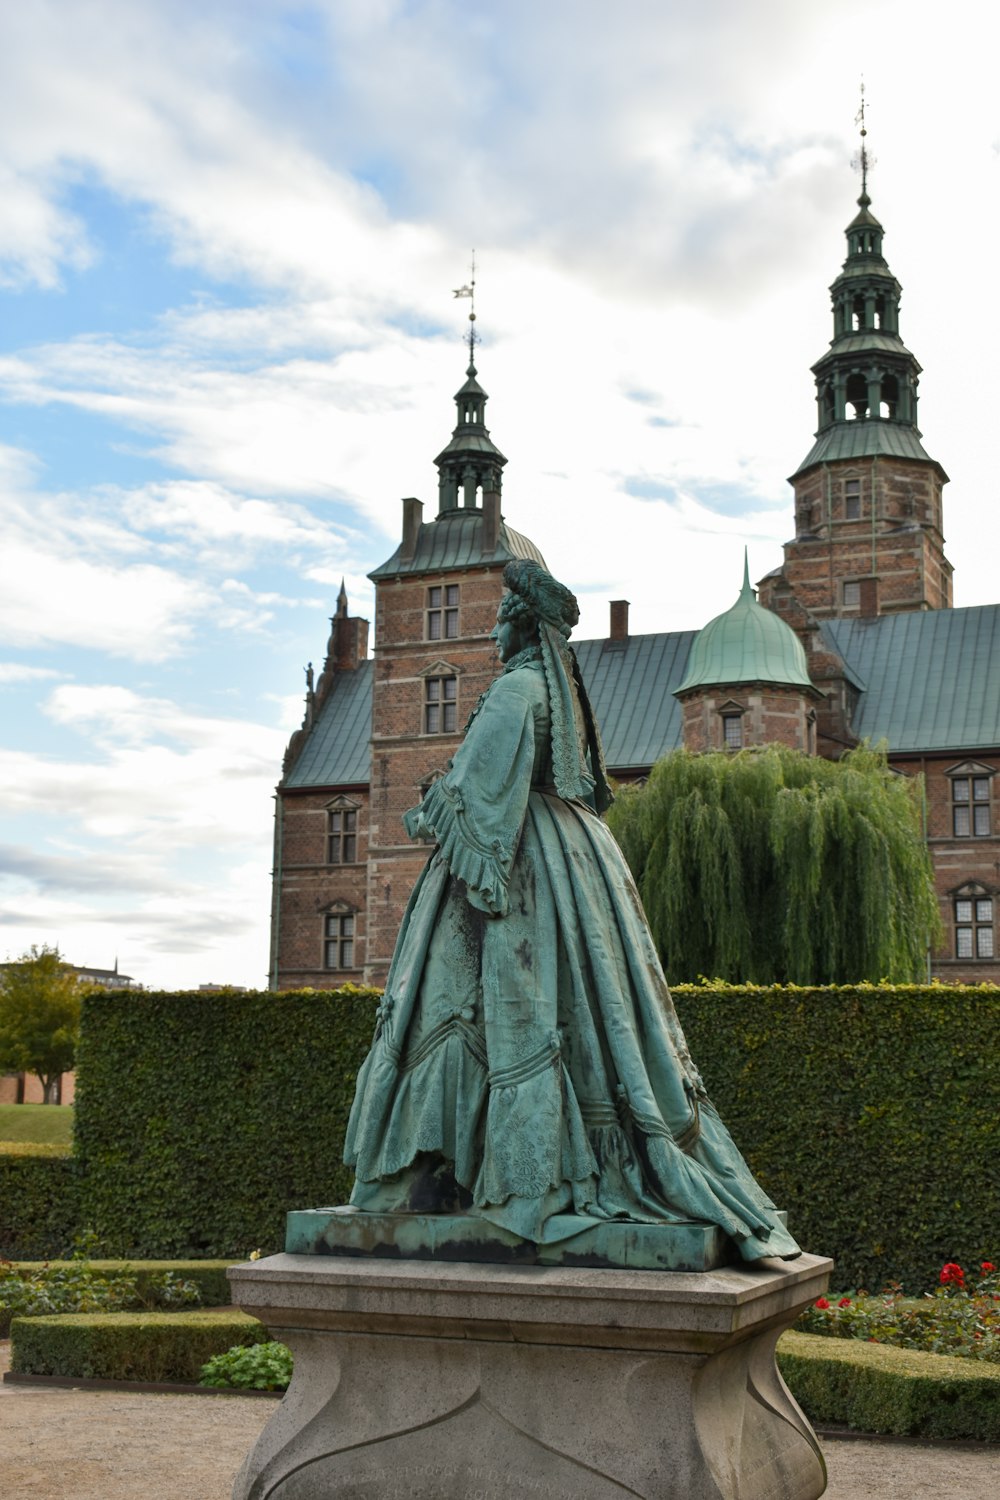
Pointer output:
x,y
528,1067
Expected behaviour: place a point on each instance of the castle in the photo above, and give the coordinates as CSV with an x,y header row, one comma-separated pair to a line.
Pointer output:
x,y
852,637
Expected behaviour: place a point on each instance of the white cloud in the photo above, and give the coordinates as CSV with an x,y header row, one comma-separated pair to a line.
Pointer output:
x,y
16,671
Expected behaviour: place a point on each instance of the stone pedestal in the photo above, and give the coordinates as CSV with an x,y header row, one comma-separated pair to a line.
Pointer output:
x,y
451,1381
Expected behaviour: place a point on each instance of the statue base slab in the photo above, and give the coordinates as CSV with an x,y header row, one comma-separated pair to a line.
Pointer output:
x,y
450,1381
571,1240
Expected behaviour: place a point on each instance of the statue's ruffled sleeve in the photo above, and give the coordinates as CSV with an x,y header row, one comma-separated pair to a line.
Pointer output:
x,y
476,811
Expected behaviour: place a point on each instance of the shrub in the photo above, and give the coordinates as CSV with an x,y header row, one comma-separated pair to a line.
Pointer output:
x,y
871,1113
39,1199
76,1286
263,1367
961,1317
146,1346
876,1389
202,1119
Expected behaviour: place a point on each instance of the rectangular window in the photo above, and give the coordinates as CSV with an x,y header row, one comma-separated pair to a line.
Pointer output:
x,y
852,595
440,705
970,821
442,612
732,731
974,927
342,837
338,941
852,499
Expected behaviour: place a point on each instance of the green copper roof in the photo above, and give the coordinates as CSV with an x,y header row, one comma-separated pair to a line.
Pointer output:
x,y
455,540
631,686
336,751
746,644
932,677
865,439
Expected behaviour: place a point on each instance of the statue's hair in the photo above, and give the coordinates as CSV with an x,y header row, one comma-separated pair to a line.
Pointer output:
x,y
535,593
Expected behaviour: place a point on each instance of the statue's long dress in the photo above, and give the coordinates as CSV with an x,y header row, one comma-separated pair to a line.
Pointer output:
x,y
527,1035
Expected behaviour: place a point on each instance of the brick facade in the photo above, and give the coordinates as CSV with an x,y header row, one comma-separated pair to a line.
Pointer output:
x,y
406,757
764,714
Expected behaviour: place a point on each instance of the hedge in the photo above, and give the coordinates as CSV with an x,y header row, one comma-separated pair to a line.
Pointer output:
x,y
128,1346
902,1391
208,1275
872,1114
201,1119
39,1208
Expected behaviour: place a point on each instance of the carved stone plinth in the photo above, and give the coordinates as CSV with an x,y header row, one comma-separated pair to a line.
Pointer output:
x,y
451,1381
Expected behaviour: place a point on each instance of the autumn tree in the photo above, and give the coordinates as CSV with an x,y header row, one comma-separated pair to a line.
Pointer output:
x,y
770,866
39,1018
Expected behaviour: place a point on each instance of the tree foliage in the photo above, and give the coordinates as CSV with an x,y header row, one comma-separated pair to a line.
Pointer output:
x,y
39,1017
770,866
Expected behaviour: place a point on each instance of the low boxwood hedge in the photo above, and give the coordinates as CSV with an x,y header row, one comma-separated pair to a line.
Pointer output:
x,y
129,1346
874,1388
39,1200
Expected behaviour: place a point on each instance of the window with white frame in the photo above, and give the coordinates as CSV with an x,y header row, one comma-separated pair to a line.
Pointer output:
x,y
732,731
852,499
338,940
970,806
440,705
341,835
852,594
442,612
973,911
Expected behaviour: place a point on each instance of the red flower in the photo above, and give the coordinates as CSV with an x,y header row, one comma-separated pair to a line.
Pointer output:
x,y
988,1266
844,1302
952,1274
821,1303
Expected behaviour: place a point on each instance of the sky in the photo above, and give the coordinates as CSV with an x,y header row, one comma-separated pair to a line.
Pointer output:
x,y
229,237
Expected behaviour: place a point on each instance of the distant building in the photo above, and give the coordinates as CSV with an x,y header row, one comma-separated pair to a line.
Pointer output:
x,y
852,637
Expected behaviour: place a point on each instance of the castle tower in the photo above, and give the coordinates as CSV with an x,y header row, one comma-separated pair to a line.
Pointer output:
x,y
868,509
436,600
747,682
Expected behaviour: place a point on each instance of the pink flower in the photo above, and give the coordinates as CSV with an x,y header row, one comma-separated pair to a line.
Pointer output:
x,y
821,1303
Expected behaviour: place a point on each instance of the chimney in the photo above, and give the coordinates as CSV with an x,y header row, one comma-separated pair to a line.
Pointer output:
x,y
491,520
412,512
619,620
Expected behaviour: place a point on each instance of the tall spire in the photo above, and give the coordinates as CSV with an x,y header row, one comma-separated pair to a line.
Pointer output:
x,y
471,465
866,385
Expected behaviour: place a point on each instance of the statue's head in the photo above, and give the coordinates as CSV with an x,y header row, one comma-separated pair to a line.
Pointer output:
x,y
535,598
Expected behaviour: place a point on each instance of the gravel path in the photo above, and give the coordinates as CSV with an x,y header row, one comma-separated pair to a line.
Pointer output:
x,y
106,1445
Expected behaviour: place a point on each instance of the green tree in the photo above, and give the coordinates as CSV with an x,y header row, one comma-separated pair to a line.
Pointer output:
x,y
770,866
39,1018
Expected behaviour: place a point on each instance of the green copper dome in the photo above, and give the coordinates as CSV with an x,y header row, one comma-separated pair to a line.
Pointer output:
x,y
746,644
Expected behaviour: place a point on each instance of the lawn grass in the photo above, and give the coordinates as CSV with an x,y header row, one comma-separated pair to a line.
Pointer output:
x,y
39,1124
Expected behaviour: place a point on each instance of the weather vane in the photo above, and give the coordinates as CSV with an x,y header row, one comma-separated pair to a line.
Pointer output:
x,y
864,160
469,290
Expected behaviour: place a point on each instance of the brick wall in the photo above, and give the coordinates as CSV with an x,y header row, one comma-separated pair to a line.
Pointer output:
x,y
768,715
404,756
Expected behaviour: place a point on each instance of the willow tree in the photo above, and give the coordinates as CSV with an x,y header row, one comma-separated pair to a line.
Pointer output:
x,y
771,866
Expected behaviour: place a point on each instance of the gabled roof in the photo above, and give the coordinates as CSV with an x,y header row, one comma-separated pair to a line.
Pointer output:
x,y
336,750
932,678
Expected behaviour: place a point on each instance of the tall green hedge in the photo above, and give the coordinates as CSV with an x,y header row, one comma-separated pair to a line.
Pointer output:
x,y
38,1200
872,1114
202,1118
